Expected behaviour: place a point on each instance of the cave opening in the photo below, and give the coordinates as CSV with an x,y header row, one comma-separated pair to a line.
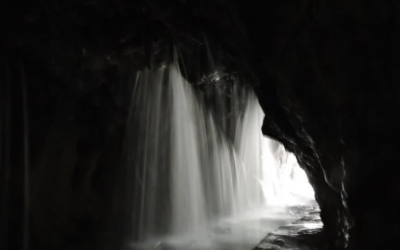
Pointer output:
x,y
200,172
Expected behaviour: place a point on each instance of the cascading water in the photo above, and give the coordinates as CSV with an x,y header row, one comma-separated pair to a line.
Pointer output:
x,y
188,206
193,186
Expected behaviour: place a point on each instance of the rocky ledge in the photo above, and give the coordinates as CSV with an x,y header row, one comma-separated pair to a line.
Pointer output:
x,y
304,234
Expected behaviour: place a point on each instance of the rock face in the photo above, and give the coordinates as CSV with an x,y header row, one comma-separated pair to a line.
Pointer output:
x,y
328,88
326,75
304,233
75,138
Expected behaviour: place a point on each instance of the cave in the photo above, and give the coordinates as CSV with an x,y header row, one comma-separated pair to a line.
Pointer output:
x,y
74,120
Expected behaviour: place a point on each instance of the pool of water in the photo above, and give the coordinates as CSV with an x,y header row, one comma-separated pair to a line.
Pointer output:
x,y
240,233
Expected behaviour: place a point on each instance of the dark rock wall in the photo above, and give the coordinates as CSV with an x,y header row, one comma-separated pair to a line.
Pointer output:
x,y
75,150
329,91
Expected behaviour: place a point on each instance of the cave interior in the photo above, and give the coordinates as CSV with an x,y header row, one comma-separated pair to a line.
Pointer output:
x,y
324,73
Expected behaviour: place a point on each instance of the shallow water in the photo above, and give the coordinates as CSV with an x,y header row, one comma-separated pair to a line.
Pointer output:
x,y
240,233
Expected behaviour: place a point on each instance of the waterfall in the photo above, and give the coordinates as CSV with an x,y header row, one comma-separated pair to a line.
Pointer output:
x,y
188,206
189,175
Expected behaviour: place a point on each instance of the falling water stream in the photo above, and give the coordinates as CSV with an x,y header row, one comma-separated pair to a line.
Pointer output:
x,y
195,188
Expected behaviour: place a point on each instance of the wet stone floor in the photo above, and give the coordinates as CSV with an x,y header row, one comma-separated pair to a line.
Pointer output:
x,y
303,234
294,228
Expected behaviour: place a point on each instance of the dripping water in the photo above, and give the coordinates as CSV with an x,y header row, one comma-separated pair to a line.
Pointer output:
x,y
198,185
188,204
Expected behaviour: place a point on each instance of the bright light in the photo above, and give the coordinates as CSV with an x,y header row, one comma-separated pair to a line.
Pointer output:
x,y
284,182
281,179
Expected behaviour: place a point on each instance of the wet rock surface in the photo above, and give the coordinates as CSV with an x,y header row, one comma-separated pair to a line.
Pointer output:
x,y
303,234
245,233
